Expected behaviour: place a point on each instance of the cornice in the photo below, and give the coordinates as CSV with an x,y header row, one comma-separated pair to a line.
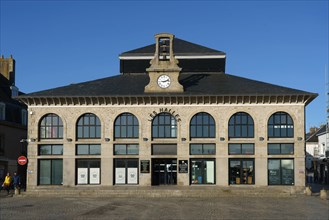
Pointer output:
x,y
166,99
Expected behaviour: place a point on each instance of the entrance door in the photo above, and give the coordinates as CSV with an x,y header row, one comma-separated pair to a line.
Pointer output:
x,y
164,172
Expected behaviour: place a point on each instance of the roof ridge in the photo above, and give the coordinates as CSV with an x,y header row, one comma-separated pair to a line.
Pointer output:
x,y
180,47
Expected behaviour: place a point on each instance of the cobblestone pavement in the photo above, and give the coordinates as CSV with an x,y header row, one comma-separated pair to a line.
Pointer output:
x,y
300,207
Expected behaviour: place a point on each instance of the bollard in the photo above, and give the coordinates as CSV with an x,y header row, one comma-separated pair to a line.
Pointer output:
x,y
323,194
308,191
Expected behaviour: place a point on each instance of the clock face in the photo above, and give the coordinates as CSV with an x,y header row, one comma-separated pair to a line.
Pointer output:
x,y
164,81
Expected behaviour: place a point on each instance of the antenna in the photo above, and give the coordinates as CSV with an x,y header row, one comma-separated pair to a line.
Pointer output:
x,y
326,150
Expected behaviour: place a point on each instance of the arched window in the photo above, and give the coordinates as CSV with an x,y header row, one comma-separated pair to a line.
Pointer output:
x,y
164,125
126,126
202,125
88,126
51,127
241,125
280,125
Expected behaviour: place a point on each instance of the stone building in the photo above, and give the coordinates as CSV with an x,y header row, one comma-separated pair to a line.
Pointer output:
x,y
172,117
13,121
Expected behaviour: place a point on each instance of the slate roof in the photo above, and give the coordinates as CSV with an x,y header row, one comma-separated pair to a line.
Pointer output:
x,y
181,47
314,137
321,131
194,85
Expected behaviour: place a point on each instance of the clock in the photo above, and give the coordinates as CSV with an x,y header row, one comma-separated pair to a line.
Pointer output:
x,y
164,81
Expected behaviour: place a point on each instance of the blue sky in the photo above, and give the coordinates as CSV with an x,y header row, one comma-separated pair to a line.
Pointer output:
x,y
56,43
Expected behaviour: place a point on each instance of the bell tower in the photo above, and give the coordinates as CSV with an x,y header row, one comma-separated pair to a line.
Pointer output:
x,y
164,71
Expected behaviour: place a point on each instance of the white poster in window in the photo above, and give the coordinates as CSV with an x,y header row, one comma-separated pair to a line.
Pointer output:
x,y
210,172
94,176
82,175
132,175
120,175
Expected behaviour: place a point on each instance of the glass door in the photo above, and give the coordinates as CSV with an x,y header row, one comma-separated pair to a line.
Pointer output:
x,y
164,172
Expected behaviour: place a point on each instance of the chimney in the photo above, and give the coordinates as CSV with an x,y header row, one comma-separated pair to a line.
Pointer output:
x,y
7,68
313,130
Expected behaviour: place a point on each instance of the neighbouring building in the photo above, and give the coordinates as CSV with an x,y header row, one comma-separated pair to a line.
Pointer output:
x,y
317,155
13,121
172,117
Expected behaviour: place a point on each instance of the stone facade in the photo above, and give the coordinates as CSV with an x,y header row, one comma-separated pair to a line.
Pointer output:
x,y
221,113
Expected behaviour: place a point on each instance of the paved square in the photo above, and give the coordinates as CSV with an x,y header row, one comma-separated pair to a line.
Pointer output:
x,y
300,207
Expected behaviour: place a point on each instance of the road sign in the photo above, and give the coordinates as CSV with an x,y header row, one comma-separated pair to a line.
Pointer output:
x,y
22,160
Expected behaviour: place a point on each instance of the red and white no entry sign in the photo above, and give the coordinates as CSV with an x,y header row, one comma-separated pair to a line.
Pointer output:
x,y
22,160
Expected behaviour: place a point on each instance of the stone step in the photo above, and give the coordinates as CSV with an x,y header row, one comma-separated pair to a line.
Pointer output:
x,y
155,192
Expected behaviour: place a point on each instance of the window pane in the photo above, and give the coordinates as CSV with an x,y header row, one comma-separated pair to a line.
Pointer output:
x,y
133,149
273,149
44,149
237,131
123,119
231,131
58,149
164,149
86,119
208,148
205,131
287,149
117,131
199,119
277,131
196,149
92,120
98,132
44,172
161,119
57,172
54,121
132,163
120,163
287,172
120,149
85,132
123,132
155,131
212,131
290,132
167,131
82,149
193,131
80,132
92,132
60,132
244,130
95,149
248,149
130,131
136,132
287,164
161,131
234,149
250,131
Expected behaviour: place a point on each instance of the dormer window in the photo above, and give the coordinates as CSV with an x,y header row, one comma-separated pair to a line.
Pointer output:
x,y
164,49
14,91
